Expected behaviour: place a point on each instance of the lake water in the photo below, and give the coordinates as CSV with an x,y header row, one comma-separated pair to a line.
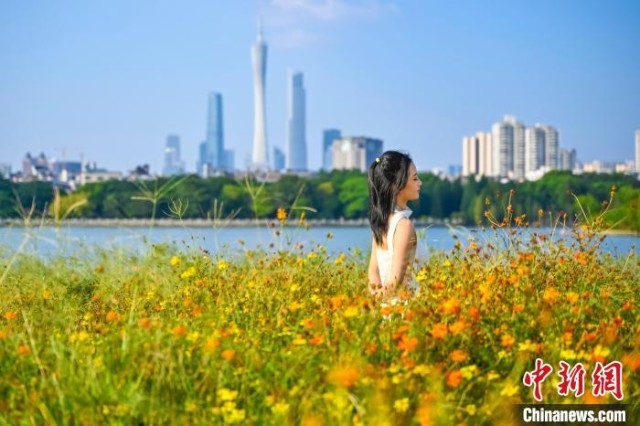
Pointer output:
x,y
49,241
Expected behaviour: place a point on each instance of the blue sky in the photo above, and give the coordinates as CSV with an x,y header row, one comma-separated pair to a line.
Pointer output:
x,y
110,79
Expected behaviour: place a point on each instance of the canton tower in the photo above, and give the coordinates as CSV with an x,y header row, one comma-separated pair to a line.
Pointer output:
x,y
260,157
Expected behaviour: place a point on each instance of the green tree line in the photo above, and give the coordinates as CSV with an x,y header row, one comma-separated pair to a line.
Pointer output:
x,y
340,194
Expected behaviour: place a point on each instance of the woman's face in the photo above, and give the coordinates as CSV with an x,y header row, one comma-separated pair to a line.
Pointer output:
x,y
411,190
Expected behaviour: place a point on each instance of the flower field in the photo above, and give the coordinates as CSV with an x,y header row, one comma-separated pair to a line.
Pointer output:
x,y
182,337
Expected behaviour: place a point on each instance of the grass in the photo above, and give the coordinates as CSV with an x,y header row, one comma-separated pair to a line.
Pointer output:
x,y
180,336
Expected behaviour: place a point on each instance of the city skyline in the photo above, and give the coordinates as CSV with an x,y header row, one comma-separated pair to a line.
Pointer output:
x,y
418,76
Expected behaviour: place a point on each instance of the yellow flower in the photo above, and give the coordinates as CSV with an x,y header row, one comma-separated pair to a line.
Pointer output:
x,y
234,416
351,311
280,408
222,265
421,370
601,352
527,346
299,341
469,371
568,355
193,336
401,405
312,255
281,214
225,394
471,409
175,261
189,272
492,375
340,259
509,390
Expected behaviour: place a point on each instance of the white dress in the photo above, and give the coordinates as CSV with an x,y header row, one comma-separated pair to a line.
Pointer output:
x,y
385,257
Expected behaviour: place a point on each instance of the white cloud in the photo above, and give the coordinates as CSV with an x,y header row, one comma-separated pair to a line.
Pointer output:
x,y
330,10
295,37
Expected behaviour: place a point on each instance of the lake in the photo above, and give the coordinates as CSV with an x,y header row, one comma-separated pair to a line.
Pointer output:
x,y
49,241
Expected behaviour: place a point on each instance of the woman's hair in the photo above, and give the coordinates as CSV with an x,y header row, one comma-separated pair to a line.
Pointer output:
x,y
388,174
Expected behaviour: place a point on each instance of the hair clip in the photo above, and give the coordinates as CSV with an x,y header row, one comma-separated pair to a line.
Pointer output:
x,y
377,159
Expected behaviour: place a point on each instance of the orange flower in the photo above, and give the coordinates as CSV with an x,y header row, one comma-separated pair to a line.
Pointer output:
x,y
474,313
11,315
228,354
454,378
179,330
457,327
438,285
518,308
371,348
211,344
459,356
407,344
399,333
23,349
111,316
508,341
343,376
631,361
450,306
439,330
145,323
3,334
550,295
316,340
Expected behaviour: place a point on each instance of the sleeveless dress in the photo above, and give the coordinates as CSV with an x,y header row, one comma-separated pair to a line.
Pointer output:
x,y
385,257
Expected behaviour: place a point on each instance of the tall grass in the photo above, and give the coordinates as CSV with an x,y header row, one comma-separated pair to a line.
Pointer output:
x,y
179,336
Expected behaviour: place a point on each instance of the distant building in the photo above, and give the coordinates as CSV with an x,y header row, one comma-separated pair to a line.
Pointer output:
x,y
93,174
229,163
509,148
260,157
5,170
328,136
279,160
213,158
455,171
568,159
355,153
173,164
66,171
296,157
477,155
36,168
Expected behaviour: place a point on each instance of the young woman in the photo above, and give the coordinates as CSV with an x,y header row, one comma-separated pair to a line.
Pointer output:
x,y
393,181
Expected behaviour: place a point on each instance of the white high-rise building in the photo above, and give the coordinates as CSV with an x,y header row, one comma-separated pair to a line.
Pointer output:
x,y
296,156
551,147
567,159
534,144
638,151
509,148
260,157
355,153
477,155
173,164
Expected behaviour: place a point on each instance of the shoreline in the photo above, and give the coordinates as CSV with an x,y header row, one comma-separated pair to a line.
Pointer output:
x,y
239,223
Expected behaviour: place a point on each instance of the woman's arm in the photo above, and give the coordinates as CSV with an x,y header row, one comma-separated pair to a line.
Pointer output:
x,y
374,273
403,240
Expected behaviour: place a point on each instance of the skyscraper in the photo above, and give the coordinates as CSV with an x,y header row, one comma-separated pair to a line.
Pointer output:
x,y
260,157
278,159
328,136
296,157
355,153
551,147
215,132
173,165
567,159
509,149
213,157
477,155
535,144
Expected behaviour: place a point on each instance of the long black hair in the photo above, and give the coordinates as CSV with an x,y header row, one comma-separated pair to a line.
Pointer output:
x,y
388,174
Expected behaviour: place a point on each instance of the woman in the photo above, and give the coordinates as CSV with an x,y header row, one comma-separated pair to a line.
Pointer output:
x,y
393,181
